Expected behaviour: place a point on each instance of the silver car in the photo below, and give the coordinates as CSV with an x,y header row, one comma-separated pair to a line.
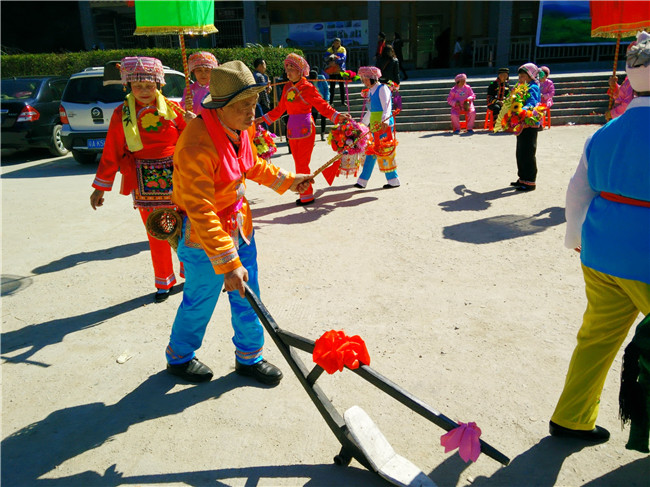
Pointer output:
x,y
87,107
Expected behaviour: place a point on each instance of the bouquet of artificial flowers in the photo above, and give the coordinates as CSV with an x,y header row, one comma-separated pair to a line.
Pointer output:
x,y
264,143
513,117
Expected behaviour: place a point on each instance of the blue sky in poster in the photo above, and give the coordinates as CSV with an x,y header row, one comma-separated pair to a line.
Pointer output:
x,y
562,23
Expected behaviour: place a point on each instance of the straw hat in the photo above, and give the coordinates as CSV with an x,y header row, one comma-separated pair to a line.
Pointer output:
x,y
229,83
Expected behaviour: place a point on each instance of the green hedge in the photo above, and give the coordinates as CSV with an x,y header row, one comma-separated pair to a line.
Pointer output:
x,y
69,63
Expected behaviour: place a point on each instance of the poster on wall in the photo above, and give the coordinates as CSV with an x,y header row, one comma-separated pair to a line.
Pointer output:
x,y
566,23
320,34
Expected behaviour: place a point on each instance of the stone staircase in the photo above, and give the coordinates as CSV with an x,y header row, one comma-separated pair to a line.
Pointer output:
x,y
580,98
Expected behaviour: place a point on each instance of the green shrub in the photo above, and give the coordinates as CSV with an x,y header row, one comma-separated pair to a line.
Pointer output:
x,y
69,63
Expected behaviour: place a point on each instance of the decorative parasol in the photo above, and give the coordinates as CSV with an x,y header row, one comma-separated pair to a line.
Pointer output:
x,y
617,19
162,17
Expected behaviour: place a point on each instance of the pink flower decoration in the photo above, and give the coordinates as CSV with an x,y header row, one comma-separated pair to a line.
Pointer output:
x,y
466,439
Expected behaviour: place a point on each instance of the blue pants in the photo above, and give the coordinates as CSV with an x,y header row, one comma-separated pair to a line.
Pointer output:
x,y
200,295
369,165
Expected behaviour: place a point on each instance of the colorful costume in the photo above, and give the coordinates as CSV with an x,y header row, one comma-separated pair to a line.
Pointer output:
x,y
297,100
217,232
461,95
497,92
527,139
622,95
201,59
140,145
377,109
546,88
340,56
608,214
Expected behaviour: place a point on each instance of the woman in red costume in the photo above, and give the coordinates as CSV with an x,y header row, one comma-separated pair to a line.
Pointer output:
x,y
140,144
298,98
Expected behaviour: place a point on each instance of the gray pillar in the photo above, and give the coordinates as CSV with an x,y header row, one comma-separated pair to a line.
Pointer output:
x,y
374,28
503,34
87,25
251,30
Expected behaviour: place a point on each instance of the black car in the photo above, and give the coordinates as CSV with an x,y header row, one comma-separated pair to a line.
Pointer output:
x,y
30,113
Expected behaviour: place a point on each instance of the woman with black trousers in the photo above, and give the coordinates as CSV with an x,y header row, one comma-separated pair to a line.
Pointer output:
x,y
398,46
527,139
389,65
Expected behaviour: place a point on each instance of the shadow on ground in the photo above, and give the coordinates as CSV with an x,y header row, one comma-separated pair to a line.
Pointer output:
x,y
79,429
504,227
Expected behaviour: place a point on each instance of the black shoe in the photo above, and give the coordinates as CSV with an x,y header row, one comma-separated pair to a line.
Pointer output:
x,y
596,435
357,185
516,183
192,371
300,202
526,187
161,295
262,371
389,186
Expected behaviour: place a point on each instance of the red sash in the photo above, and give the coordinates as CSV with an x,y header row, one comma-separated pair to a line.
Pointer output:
x,y
624,199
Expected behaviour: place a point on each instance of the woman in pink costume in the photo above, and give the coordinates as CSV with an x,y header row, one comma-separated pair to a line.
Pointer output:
x,y
546,86
461,99
200,64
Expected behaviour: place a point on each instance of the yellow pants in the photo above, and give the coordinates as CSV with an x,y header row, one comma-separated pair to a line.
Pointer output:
x,y
613,305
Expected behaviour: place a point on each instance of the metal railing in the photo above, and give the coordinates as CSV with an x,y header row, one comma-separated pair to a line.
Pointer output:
x,y
523,48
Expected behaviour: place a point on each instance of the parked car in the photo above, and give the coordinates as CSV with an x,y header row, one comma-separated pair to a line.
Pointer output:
x,y
87,107
30,113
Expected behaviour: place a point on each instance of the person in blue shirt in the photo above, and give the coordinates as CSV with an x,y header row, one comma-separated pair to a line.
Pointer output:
x,y
608,222
335,58
318,80
527,139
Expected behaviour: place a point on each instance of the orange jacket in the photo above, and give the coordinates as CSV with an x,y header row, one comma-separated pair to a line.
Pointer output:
x,y
206,199
117,157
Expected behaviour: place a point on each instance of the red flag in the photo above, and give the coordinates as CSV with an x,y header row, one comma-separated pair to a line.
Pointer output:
x,y
613,17
331,172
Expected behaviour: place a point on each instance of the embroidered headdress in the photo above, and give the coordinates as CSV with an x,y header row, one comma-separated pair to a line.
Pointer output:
x,y
298,62
370,72
142,69
231,82
531,70
460,76
638,63
202,59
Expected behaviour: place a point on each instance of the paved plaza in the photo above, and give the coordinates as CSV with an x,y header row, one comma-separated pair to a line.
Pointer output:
x,y
459,285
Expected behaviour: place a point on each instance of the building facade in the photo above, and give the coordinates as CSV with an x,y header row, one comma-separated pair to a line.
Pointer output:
x,y
488,33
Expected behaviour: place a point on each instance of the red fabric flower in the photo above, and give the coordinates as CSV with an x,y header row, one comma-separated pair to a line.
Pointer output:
x,y
335,349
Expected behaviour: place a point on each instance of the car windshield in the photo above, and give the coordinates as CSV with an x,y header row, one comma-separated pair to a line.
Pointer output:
x,y
90,90
20,89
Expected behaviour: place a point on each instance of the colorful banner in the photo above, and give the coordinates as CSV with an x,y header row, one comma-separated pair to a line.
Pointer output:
x,y
320,34
565,23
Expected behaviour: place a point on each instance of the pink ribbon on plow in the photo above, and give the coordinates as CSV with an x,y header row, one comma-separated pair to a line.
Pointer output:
x,y
466,439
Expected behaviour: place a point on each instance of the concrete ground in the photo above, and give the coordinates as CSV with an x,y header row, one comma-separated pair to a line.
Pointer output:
x,y
459,285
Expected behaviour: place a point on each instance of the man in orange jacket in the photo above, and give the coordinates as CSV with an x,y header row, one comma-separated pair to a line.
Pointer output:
x,y
213,159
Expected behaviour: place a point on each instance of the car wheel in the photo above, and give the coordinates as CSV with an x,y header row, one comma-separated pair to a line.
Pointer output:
x,y
56,144
84,157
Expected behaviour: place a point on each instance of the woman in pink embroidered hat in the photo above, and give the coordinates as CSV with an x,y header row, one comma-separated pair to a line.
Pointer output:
x,y
140,145
200,64
461,99
298,98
